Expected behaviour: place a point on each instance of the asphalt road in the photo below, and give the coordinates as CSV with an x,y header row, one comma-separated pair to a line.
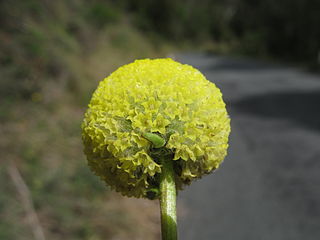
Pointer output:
x,y
268,188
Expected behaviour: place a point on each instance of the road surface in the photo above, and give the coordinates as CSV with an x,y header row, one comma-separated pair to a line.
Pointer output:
x,y
268,188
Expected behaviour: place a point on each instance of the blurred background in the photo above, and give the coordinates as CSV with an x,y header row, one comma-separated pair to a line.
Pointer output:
x,y
264,55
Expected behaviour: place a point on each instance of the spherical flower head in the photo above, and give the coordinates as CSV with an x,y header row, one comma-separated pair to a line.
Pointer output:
x,y
161,97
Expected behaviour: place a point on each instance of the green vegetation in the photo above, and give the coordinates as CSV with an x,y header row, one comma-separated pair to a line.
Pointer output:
x,y
285,30
52,56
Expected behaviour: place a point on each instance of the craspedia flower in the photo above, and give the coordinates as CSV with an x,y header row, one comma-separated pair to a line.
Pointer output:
x,y
160,98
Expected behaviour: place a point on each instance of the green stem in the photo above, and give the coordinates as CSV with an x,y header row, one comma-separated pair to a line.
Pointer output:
x,y
168,201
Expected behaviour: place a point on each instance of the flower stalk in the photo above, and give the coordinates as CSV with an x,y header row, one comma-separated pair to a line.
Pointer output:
x,y
168,200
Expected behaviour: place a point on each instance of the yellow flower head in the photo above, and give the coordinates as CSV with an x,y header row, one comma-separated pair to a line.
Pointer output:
x,y
160,96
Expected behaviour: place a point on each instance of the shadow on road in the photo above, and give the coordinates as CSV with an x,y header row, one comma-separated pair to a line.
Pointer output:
x,y
239,65
300,107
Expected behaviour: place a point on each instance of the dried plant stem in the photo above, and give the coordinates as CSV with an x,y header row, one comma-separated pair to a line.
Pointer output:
x,y
26,200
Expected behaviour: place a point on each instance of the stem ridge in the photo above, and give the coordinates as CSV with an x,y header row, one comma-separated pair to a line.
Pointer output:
x,y
168,200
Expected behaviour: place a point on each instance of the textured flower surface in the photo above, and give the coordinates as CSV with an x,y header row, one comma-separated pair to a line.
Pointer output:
x,y
161,96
